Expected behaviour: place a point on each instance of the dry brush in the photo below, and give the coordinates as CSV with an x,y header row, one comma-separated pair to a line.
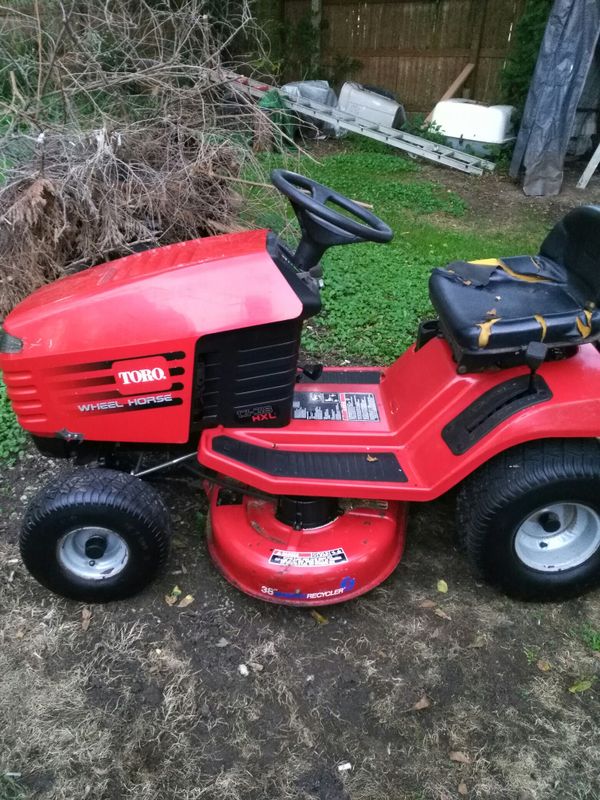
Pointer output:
x,y
119,130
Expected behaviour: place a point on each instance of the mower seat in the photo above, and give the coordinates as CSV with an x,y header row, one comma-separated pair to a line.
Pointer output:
x,y
490,310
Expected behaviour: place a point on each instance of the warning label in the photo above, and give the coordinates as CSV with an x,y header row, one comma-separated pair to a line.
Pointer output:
x,y
322,558
336,406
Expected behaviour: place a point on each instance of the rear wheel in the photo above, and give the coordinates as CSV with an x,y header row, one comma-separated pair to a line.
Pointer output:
x,y
96,535
529,519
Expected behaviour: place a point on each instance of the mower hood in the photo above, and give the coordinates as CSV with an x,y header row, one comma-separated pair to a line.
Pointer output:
x,y
180,291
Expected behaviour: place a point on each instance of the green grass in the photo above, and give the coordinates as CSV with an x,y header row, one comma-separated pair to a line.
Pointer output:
x,y
375,295
12,437
591,638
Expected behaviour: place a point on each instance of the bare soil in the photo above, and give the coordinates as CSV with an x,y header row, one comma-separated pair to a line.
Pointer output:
x,y
496,197
149,702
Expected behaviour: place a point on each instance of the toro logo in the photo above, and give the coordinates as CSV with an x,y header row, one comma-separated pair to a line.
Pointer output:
x,y
141,375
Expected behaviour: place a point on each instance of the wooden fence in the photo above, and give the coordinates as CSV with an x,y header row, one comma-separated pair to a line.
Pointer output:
x,y
416,48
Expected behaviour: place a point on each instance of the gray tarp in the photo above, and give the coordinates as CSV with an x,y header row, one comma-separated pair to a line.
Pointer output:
x,y
560,74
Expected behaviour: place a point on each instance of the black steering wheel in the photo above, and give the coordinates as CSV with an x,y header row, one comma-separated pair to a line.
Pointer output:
x,y
321,225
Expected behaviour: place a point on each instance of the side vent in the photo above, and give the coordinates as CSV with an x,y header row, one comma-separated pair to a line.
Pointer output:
x,y
246,377
24,397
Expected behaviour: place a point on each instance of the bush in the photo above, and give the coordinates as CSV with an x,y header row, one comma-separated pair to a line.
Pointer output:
x,y
121,131
528,34
426,130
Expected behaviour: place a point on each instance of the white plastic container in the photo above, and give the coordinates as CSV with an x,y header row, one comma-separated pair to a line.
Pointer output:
x,y
370,105
474,126
320,92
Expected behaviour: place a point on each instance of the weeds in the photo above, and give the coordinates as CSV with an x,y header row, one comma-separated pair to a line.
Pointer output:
x,y
417,126
375,295
12,437
591,637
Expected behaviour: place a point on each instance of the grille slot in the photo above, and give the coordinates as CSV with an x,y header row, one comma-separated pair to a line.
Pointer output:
x,y
239,371
24,397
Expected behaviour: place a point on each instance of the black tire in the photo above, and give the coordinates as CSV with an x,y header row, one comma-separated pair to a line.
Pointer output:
x,y
494,502
131,511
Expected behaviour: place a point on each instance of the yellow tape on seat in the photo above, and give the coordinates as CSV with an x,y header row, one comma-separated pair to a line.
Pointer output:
x,y
542,322
485,329
585,329
496,262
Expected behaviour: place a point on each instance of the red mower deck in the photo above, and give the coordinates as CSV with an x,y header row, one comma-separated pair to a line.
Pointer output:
x,y
270,560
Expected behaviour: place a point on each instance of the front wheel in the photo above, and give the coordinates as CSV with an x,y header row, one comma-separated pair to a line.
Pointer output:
x,y
96,535
529,519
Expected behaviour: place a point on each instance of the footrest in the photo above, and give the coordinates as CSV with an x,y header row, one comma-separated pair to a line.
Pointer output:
x,y
337,466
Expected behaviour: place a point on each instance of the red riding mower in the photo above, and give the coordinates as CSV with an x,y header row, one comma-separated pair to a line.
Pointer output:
x,y
193,348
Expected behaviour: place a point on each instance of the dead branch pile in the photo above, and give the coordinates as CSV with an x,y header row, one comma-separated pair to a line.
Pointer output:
x,y
120,132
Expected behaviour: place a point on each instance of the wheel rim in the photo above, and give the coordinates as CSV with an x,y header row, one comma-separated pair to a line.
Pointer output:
x,y
93,553
558,537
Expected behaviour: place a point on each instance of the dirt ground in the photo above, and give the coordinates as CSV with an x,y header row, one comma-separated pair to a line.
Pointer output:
x,y
466,695
498,198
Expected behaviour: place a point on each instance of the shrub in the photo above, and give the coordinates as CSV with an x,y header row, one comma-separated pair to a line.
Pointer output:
x,y
121,131
528,34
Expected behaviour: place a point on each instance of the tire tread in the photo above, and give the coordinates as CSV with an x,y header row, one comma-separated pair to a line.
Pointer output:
x,y
510,475
116,491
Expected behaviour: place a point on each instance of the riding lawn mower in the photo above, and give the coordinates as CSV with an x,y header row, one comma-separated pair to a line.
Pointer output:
x,y
192,350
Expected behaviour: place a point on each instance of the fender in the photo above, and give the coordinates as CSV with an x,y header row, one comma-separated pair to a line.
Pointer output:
x,y
571,411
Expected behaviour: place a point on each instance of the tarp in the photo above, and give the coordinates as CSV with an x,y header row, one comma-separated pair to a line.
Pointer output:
x,y
275,106
565,57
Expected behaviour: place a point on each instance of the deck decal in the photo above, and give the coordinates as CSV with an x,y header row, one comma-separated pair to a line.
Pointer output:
x,y
321,558
336,406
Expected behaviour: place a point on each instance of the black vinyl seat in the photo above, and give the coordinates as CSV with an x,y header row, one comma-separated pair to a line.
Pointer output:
x,y
490,311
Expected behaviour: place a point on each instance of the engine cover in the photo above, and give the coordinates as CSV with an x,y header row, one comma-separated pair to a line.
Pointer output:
x,y
126,351
268,559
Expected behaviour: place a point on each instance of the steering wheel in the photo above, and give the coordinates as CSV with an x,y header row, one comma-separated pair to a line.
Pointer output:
x,y
321,225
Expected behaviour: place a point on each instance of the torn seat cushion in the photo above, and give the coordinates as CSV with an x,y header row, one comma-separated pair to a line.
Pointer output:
x,y
503,304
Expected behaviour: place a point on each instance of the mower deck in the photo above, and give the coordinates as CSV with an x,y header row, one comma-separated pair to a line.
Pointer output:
x,y
270,560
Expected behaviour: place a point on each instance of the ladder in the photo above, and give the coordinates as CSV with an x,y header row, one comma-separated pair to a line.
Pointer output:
x,y
415,145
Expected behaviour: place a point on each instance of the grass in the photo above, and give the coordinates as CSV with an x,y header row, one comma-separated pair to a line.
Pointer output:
x,y
149,703
375,295
591,637
9,788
